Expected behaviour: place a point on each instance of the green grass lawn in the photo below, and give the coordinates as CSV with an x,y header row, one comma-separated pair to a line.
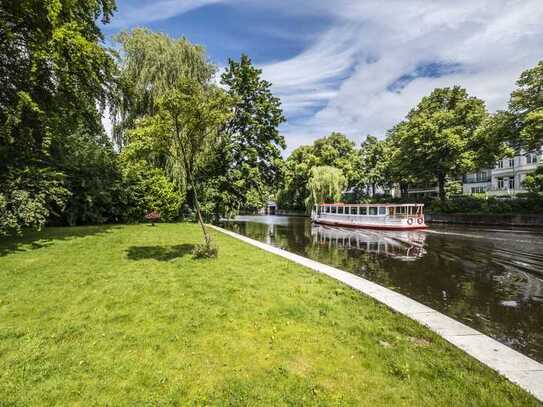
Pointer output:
x,y
122,315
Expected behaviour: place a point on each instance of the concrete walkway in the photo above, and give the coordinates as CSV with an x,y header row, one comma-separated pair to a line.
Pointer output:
x,y
520,369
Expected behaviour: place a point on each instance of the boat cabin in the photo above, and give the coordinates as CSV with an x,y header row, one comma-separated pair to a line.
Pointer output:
x,y
378,216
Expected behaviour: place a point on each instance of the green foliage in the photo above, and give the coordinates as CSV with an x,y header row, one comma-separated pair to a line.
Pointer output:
x,y
373,164
151,65
526,106
531,204
54,73
203,251
438,137
186,128
147,189
28,198
248,166
91,175
336,150
534,181
326,185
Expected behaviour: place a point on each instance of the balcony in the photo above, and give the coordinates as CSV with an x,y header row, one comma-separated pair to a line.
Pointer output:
x,y
476,180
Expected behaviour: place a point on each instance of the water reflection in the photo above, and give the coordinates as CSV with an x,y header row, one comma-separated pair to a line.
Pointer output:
x,y
491,279
401,245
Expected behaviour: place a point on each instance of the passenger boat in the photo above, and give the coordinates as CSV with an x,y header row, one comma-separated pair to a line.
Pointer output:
x,y
371,216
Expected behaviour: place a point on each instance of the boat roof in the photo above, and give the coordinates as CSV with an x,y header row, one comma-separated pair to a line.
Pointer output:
x,y
365,205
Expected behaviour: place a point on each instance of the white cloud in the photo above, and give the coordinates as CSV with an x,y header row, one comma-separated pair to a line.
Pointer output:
x,y
340,82
144,11
373,43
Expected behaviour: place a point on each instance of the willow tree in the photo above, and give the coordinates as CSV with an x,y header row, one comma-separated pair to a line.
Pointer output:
x,y
151,65
326,184
187,128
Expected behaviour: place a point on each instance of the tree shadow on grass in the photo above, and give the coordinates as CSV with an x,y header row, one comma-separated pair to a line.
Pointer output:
x,y
32,239
160,253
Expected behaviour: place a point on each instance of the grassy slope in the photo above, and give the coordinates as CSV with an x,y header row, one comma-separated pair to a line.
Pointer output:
x,y
123,315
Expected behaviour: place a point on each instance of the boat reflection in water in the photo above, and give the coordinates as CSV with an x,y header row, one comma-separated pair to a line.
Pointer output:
x,y
401,245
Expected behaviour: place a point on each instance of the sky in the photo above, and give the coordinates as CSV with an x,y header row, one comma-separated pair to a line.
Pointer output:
x,y
356,66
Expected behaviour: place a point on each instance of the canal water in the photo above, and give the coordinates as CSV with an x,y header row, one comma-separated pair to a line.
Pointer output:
x,y
490,278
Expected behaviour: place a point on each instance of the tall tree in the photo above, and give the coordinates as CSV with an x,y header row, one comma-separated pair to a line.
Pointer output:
x,y
186,126
251,156
54,72
372,163
438,138
526,108
151,64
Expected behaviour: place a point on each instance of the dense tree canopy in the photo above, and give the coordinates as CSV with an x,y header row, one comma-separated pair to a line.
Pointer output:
x,y
54,74
335,150
248,169
438,137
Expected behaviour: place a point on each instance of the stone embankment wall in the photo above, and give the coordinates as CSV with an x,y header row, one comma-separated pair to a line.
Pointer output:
x,y
481,219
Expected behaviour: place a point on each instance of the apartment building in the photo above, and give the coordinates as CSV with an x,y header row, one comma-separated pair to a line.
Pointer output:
x,y
506,178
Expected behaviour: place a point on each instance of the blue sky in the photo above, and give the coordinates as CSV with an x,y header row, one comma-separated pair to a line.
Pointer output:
x,y
357,66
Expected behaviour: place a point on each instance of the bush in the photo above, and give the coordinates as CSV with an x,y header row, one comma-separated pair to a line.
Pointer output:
x,y
481,204
147,189
205,251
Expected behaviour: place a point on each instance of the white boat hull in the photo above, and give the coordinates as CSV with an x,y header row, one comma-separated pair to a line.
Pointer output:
x,y
371,222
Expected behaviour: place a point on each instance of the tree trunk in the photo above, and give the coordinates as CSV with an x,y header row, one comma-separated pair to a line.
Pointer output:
x,y
403,190
373,189
207,238
441,187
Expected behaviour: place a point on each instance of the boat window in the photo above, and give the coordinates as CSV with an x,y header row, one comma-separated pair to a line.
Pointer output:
x,y
333,209
363,211
372,210
382,210
340,210
354,210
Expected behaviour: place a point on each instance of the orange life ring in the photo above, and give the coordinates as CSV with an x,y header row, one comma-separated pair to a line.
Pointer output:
x,y
420,221
410,221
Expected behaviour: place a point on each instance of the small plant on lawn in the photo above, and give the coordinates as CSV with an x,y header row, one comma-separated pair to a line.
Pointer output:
x,y
205,251
153,217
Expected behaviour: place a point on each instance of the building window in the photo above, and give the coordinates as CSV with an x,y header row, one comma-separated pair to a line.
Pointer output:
x,y
478,190
511,162
511,183
499,164
500,183
531,158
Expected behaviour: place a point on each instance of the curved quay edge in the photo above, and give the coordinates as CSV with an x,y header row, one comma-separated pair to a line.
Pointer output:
x,y
518,368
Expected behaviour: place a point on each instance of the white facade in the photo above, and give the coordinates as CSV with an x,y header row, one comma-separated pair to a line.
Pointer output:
x,y
506,178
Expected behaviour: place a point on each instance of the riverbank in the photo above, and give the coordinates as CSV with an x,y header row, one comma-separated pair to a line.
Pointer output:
x,y
123,315
485,219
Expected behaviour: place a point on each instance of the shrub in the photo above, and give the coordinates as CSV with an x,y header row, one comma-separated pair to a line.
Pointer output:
x,y
205,251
